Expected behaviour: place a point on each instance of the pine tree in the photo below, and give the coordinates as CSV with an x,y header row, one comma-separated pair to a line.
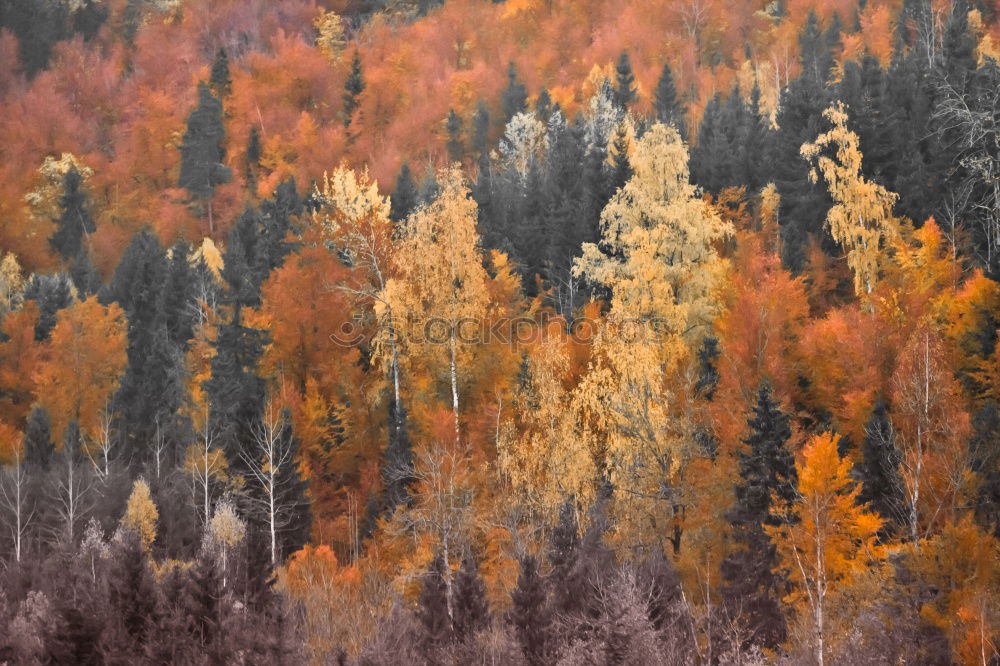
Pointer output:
x,y
668,107
253,155
878,470
985,449
481,132
84,275
353,87
708,375
625,90
530,615
74,221
219,80
152,389
403,199
958,46
471,609
397,464
543,106
178,296
131,596
52,293
202,153
753,589
235,392
201,603
621,169
515,95
37,441
434,612
455,146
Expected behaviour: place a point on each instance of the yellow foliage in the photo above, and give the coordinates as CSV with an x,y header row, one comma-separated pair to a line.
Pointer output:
x,y
861,216
141,513
331,39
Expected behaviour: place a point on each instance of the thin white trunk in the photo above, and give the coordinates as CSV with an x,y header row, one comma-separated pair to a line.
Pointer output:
x,y
454,383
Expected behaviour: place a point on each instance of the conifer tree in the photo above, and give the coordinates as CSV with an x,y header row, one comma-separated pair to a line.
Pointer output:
x,y
178,296
669,109
543,106
530,615
404,197
353,87
131,596
84,275
882,486
37,441
455,146
625,90
74,221
515,95
471,611
219,80
397,464
481,132
708,375
52,293
253,155
752,587
435,609
202,151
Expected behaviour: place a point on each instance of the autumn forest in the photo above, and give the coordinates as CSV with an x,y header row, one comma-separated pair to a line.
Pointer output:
x,y
527,332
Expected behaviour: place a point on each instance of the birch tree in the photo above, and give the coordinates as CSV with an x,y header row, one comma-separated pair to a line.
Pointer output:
x,y
442,284
17,503
659,259
861,217
277,489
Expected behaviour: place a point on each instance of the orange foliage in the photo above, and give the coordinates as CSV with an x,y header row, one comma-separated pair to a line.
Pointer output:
x,y
81,365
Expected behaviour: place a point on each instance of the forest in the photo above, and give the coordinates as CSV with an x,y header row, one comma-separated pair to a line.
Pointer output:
x,y
527,332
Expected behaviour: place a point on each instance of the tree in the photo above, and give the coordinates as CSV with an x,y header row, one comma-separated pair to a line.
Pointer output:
x,y
37,442
219,80
625,90
435,609
442,279
83,365
11,284
931,432
529,613
278,490
207,466
52,293
72,484
861,217
455,146
353,87
669,109
141,514
357,217
834,535
881,485
74,221
131,596
202,150
753,583
659,260
17,503
470,609
404,196
514,99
